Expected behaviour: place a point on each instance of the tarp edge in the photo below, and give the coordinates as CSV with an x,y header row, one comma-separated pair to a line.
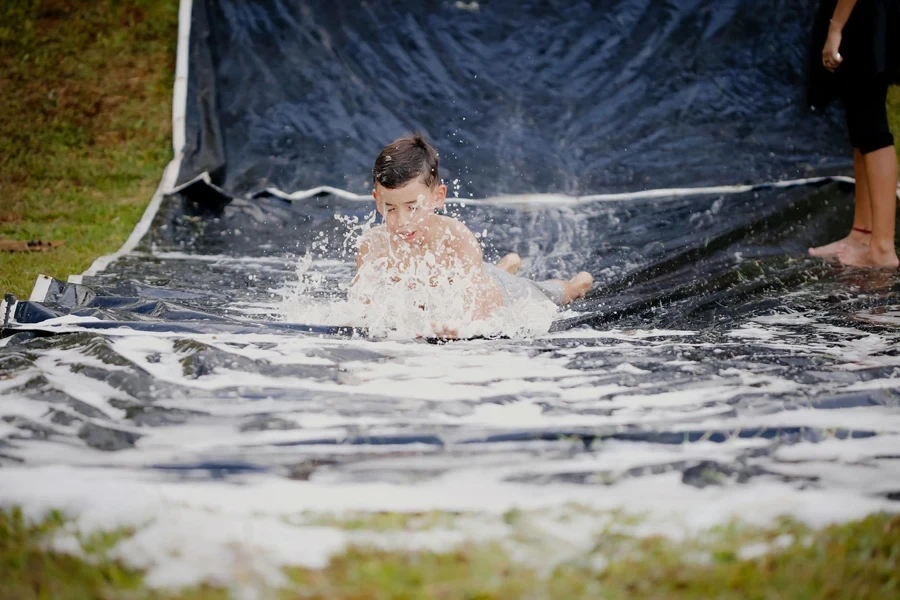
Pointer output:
x,y
41,285
562,199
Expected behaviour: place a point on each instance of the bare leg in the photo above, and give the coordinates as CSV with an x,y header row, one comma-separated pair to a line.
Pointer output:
x,y
862,213
574,288
881,167
510,263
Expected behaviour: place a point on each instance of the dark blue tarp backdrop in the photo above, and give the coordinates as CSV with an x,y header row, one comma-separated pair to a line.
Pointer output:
x,y
568,96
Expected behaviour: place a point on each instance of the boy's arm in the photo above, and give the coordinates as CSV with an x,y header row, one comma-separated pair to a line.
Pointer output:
x,y
364,247
368,251
361,255
479,298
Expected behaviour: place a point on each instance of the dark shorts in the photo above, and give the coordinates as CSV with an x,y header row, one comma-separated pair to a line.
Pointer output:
x,y
865,107
515,288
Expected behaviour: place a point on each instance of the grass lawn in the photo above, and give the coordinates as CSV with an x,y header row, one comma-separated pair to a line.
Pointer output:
x,y
855,560
894,115
85,94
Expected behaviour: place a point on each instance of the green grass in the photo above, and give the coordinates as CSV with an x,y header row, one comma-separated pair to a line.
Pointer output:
x,y
853,560
85,94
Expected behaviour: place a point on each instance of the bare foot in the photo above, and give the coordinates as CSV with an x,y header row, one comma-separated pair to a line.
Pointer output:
x,y
578,286
876,255
855,240
510,263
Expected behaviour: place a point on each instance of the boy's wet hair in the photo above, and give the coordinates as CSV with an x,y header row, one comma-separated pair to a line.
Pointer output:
x,y
405,159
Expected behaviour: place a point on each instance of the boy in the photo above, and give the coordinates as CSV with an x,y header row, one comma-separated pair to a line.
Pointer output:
x,y
418,247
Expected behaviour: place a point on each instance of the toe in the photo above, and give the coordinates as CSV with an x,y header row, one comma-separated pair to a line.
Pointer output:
x,y
584,281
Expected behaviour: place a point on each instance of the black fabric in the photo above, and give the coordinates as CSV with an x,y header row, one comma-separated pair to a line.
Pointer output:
x,y
204,146
518,96
870,48
866,111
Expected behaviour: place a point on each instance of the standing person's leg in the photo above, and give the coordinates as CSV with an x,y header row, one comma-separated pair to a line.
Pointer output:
x,y
871,134
862,215
881,166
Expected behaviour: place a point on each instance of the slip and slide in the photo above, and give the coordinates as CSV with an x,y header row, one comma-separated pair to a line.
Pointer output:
x,y
649,144
665,147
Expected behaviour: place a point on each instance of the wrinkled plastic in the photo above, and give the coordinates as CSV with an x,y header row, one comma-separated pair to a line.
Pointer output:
x,y
707,323
534,96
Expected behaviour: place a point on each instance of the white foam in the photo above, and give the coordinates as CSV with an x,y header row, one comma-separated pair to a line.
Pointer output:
x,y
618,334
874,384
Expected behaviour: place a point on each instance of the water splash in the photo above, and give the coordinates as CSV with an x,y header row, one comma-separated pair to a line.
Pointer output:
x,y
403,305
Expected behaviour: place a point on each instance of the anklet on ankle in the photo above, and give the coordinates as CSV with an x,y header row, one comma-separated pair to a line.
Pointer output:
x,y
861,230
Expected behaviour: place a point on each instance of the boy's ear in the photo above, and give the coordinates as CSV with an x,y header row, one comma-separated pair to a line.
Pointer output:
x,y
440,195
378,204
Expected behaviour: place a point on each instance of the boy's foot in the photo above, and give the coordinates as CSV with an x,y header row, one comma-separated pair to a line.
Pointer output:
x,y
875,255
510,263
578,286
855,239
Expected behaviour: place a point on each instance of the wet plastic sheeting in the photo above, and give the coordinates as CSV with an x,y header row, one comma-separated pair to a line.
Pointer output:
x,y
571,97
530,412
711,348
710,327
689,262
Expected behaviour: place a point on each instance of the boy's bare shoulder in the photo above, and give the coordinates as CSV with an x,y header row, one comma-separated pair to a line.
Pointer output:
x,y
459,238
455,230
375,231
374,241
374,236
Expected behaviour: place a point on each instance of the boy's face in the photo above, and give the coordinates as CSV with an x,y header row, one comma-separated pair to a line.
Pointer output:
x,y
406,209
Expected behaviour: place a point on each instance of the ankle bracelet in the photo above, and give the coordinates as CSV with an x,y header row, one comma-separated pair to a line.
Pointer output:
x,y
861,230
